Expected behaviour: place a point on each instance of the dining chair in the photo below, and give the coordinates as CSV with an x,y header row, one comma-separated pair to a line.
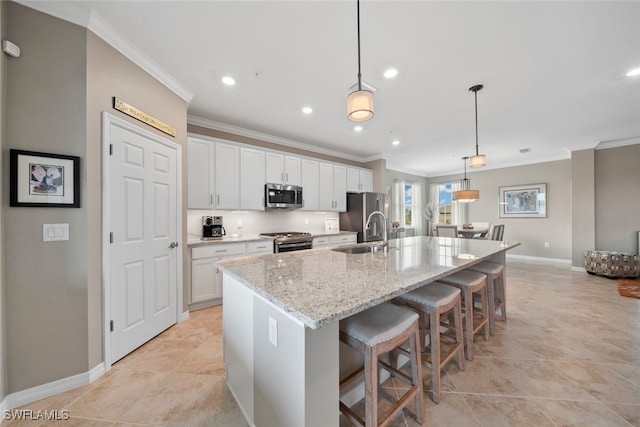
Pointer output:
x,y
447,230
497,232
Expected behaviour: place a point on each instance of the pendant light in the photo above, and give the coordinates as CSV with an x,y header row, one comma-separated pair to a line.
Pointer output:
x,y
465,194
478,160
360,102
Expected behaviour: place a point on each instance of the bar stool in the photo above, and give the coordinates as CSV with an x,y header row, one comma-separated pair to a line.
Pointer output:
x,y
433,302
374,332
470,283
495,273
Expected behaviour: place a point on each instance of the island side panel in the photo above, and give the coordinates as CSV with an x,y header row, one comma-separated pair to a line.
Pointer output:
x,y
237,320
295,383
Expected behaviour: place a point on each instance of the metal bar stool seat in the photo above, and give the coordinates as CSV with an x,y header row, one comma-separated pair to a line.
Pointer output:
x,y
495,276
470,283
433,302
374,332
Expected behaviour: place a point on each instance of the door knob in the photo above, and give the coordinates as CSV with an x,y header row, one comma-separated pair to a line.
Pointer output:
x,y
173,245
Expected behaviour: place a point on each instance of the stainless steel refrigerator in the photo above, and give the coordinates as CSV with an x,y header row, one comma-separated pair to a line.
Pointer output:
x,y
359,207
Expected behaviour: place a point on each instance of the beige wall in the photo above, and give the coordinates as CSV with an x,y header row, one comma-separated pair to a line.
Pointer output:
x,y
46,284
583,201
617,195
530,232
64,79
3,348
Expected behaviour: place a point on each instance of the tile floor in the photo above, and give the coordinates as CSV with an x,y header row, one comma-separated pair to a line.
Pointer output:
x,y
568,356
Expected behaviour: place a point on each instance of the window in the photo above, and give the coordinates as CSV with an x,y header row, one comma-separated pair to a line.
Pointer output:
x,y
445,204
408,205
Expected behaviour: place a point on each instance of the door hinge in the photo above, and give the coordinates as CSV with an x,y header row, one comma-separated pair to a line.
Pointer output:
x,y
111,237
111,149
111,325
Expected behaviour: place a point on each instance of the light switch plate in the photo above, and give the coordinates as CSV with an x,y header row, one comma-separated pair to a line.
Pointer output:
x,y
55,232
273,331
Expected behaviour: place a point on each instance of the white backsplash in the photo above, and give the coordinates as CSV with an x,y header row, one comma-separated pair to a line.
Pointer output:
x,y
260,222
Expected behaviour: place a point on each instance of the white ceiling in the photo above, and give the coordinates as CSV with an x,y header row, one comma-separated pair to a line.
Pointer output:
x,y
554,72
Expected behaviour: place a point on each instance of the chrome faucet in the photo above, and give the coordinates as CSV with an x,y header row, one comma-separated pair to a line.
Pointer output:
x,y
384,223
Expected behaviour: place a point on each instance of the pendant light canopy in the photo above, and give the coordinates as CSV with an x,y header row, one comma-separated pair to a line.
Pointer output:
x,y
360,102
465,194
478,160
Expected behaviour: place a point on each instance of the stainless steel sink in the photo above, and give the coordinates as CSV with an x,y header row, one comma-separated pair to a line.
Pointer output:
x,y
359,249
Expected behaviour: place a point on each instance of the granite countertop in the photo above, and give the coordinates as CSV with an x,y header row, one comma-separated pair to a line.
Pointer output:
x,y
194,241
322,286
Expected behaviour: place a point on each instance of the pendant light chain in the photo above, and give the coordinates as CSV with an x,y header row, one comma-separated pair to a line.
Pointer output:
x,y
359,73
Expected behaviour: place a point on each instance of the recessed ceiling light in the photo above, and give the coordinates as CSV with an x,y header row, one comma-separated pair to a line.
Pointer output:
x,y
390,73
307,110
357,128
228,80
396,142
634,72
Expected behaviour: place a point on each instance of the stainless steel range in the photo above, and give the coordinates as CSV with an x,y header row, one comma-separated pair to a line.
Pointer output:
x,y
290,241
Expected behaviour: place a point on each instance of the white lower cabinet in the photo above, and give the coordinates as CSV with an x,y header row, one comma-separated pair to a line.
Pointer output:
x,y
335,240
206,279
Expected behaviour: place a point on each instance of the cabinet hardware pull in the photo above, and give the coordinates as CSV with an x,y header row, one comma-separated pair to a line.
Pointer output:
x,y
218,199
282,176
211,199
221,250
286,177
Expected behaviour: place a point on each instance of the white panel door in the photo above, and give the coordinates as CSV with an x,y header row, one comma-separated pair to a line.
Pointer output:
x,y
251,179
143,257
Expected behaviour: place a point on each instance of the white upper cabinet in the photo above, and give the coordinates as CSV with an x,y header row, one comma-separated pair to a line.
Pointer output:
x,y
310,180
252,178
227,176
200,174
333,187
359,180
283,169
340,187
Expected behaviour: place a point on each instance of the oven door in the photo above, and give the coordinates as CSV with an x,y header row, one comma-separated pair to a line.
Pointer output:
x,y
293,246
278,196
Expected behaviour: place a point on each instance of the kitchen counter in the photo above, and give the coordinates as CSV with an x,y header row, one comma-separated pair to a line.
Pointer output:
x,y
321,286
281,317
196,241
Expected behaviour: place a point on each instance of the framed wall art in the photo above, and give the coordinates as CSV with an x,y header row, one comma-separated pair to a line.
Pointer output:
x,y
523,201
44,180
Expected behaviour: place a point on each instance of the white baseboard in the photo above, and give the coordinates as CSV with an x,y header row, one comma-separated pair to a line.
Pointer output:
x,y
582,269
537,258
30,395
185,316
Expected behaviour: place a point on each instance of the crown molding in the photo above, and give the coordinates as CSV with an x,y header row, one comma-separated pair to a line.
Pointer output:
x,y
248,133
602,145
100,27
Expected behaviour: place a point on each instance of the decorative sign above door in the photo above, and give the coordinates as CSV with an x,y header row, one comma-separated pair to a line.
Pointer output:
x,y
132,111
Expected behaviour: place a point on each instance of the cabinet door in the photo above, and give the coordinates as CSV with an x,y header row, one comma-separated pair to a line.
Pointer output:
x,y
340,188
227,176
252,179
325,182
206,281
275,168
310,185
366,181
353,180
292,173
200,174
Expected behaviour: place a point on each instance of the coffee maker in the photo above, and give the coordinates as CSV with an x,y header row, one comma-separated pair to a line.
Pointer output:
x,y
212,227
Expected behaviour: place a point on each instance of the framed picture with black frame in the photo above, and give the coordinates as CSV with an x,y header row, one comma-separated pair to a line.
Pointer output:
x,y
43,180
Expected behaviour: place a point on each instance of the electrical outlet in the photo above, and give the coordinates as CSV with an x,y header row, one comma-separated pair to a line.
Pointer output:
x,y
546,244
239,223
273,331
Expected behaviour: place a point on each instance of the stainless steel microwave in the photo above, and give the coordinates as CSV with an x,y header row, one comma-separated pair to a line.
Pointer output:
x,y
278,196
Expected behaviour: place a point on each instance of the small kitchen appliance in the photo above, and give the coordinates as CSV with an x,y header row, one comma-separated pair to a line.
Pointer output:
x,y
212,227
278,196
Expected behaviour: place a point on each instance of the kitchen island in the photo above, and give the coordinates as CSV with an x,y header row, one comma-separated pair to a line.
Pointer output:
x,y
281,314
